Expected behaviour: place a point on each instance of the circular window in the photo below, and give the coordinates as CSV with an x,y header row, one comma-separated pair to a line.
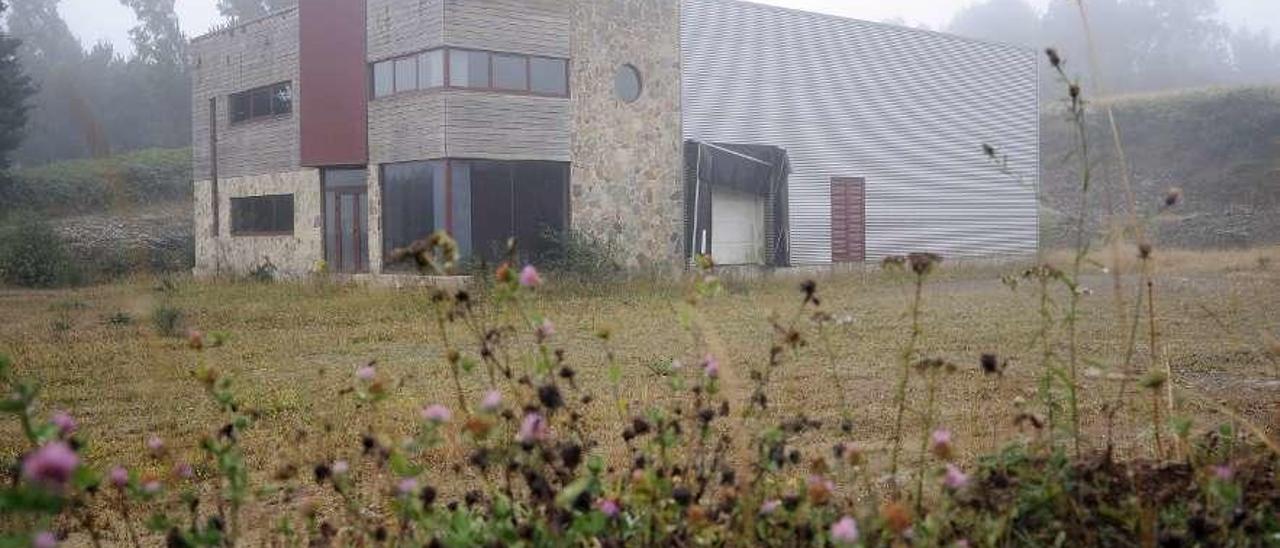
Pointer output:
x,y
627,83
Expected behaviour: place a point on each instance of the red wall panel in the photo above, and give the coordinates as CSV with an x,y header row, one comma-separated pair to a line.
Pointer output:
x,y
848,220
333,87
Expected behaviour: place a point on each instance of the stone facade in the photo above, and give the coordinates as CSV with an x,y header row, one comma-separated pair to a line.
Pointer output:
x,y
628,157
294,255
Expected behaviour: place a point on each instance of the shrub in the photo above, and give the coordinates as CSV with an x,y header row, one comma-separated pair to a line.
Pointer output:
x,y
167,319
32,254
82,186
577,253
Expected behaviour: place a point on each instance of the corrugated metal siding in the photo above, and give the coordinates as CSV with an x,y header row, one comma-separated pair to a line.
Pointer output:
x,y
907,110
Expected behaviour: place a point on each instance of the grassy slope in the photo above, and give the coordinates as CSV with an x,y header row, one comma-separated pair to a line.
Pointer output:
x,y
293,348
1220,146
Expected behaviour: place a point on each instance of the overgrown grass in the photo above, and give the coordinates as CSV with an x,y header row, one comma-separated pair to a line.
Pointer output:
x,y
292,351
145,177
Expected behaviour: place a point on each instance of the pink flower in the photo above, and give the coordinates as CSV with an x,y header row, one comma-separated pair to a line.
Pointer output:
x,y
436,414
151,487
155,446
608,507
770,506
529,277
941,445
532,429
44,539
711,366
955,478
545,330
407,486
183,470
492,401
51,465
119,477
366,373
845,531
341,467
65,423
1224,472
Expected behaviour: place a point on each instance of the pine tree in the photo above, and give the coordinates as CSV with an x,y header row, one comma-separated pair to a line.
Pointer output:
x,y
15,89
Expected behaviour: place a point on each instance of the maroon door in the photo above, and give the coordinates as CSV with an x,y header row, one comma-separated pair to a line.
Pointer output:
x,y
848,220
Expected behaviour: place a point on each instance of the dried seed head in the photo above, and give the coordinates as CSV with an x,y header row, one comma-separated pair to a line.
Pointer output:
x,y
1055,60
1172,197
923,263
1144,251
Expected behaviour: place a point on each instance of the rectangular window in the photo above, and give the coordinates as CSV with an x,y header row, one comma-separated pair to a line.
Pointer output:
x,y
406,74
384,79
468,69
549,76
262,215
525,200
511,72
431,69
263,102
412,203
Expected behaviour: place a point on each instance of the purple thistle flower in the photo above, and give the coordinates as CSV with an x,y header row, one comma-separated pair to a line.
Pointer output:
x,y
341,467
492,401
532,429
770,506
941,443
155,446
436,414
608,507
65,423
407,486
955,478
44,539
711,366
151,487
845,531
529,277
1224,472
545,330
51,465
119,477
366,373
183,470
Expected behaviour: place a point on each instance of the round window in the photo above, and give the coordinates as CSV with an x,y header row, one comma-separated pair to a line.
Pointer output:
x,y
627,83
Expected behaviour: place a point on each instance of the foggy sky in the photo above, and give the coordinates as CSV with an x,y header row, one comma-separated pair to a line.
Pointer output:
x,y
108,20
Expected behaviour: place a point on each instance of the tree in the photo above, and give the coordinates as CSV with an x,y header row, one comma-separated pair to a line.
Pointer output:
x,y
240,10
52,57
15,89
1008,21
158,76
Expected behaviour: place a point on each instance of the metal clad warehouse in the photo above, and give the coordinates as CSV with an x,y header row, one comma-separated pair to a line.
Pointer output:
x,y
907,111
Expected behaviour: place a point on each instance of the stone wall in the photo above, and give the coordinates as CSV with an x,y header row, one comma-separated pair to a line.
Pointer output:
x,y
293,256
628,157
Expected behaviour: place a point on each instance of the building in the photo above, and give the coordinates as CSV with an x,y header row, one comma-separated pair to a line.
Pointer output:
x,y
338,131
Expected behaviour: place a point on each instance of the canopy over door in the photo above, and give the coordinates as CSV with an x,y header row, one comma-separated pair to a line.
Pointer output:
x,y
740,190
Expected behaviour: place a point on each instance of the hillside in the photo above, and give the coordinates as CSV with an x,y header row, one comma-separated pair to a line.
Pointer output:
x,y
1221,147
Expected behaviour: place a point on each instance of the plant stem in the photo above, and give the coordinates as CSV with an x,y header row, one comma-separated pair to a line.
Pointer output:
x,y
900,393
924,439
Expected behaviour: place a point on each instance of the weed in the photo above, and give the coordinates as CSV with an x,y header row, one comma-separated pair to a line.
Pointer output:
x,y
167,320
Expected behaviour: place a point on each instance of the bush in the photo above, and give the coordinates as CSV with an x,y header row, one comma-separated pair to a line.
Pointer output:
x,y
576,253
84,186
167,319
32,254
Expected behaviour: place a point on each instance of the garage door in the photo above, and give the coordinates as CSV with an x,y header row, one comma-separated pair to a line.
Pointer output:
x,y
737,227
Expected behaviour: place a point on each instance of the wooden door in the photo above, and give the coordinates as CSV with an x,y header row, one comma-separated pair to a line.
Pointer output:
x,y
848,219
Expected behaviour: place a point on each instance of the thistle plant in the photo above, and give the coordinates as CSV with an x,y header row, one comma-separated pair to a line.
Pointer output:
x,y
921,266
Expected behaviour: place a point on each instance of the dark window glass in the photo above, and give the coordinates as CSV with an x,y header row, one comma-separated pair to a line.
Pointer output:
x,y
384,78
540,188
411,196
511,72
261,102
239,107
549,76
468,69
522,200
262,215
406,74
281,99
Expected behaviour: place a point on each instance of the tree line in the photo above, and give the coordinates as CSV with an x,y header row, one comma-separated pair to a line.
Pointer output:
x,y
1143,45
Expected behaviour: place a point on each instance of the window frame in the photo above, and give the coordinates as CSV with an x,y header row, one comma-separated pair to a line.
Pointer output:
x,y
250,116
275,200
446,60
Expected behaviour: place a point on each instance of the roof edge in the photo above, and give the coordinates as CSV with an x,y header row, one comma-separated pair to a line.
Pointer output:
x,y
230,27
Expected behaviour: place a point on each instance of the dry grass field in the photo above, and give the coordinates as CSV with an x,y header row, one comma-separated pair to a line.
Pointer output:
x,y
292,350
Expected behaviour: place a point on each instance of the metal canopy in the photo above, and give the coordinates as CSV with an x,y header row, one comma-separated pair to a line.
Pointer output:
x,y
757,169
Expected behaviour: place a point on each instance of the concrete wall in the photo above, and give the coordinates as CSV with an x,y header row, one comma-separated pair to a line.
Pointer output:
x,y
255,54
627,183
293,256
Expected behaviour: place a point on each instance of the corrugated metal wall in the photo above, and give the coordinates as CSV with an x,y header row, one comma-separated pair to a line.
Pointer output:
x,y
907,110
